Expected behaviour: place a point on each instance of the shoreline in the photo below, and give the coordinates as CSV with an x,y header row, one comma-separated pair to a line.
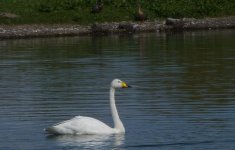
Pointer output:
x,y
125,27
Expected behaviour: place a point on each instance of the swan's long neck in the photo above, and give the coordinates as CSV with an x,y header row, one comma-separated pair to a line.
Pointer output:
x,y
117,122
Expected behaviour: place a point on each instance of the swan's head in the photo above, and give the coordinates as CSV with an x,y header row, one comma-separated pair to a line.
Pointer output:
x,y
116,83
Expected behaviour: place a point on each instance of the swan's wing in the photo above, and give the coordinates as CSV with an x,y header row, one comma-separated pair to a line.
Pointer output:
x,y
80,125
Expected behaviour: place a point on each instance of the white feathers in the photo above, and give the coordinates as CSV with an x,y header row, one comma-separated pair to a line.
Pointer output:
x,y
81,125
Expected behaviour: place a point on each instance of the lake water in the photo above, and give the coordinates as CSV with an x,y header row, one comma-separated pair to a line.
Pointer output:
x,y
183,94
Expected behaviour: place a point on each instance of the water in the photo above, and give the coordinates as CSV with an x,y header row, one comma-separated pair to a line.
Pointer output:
x,y
183,94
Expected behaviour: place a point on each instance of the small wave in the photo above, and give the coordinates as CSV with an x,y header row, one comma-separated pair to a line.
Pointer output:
x,y
179,144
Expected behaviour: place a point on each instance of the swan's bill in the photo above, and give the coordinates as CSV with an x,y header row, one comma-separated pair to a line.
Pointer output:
x,y
124,85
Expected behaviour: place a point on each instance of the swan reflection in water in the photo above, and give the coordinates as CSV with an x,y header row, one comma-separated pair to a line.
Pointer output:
x,y
89,141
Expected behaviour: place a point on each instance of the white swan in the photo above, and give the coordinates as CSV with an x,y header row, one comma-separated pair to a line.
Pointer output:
x,y
87,125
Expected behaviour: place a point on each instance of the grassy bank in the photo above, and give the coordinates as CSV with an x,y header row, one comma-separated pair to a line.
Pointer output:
x,y
79,11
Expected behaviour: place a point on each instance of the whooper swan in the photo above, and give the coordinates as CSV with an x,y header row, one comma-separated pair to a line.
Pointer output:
x,y
86,125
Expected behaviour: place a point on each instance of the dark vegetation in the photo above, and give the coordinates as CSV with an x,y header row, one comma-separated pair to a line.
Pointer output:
x,y
80,11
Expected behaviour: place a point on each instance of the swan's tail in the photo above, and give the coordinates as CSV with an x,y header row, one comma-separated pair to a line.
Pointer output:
x,y
51,130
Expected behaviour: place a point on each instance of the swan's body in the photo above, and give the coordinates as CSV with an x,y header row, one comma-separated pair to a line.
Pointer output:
x,y
87,125
81,125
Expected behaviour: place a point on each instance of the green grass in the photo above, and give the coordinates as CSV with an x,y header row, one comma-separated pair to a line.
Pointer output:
x,y
78,11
